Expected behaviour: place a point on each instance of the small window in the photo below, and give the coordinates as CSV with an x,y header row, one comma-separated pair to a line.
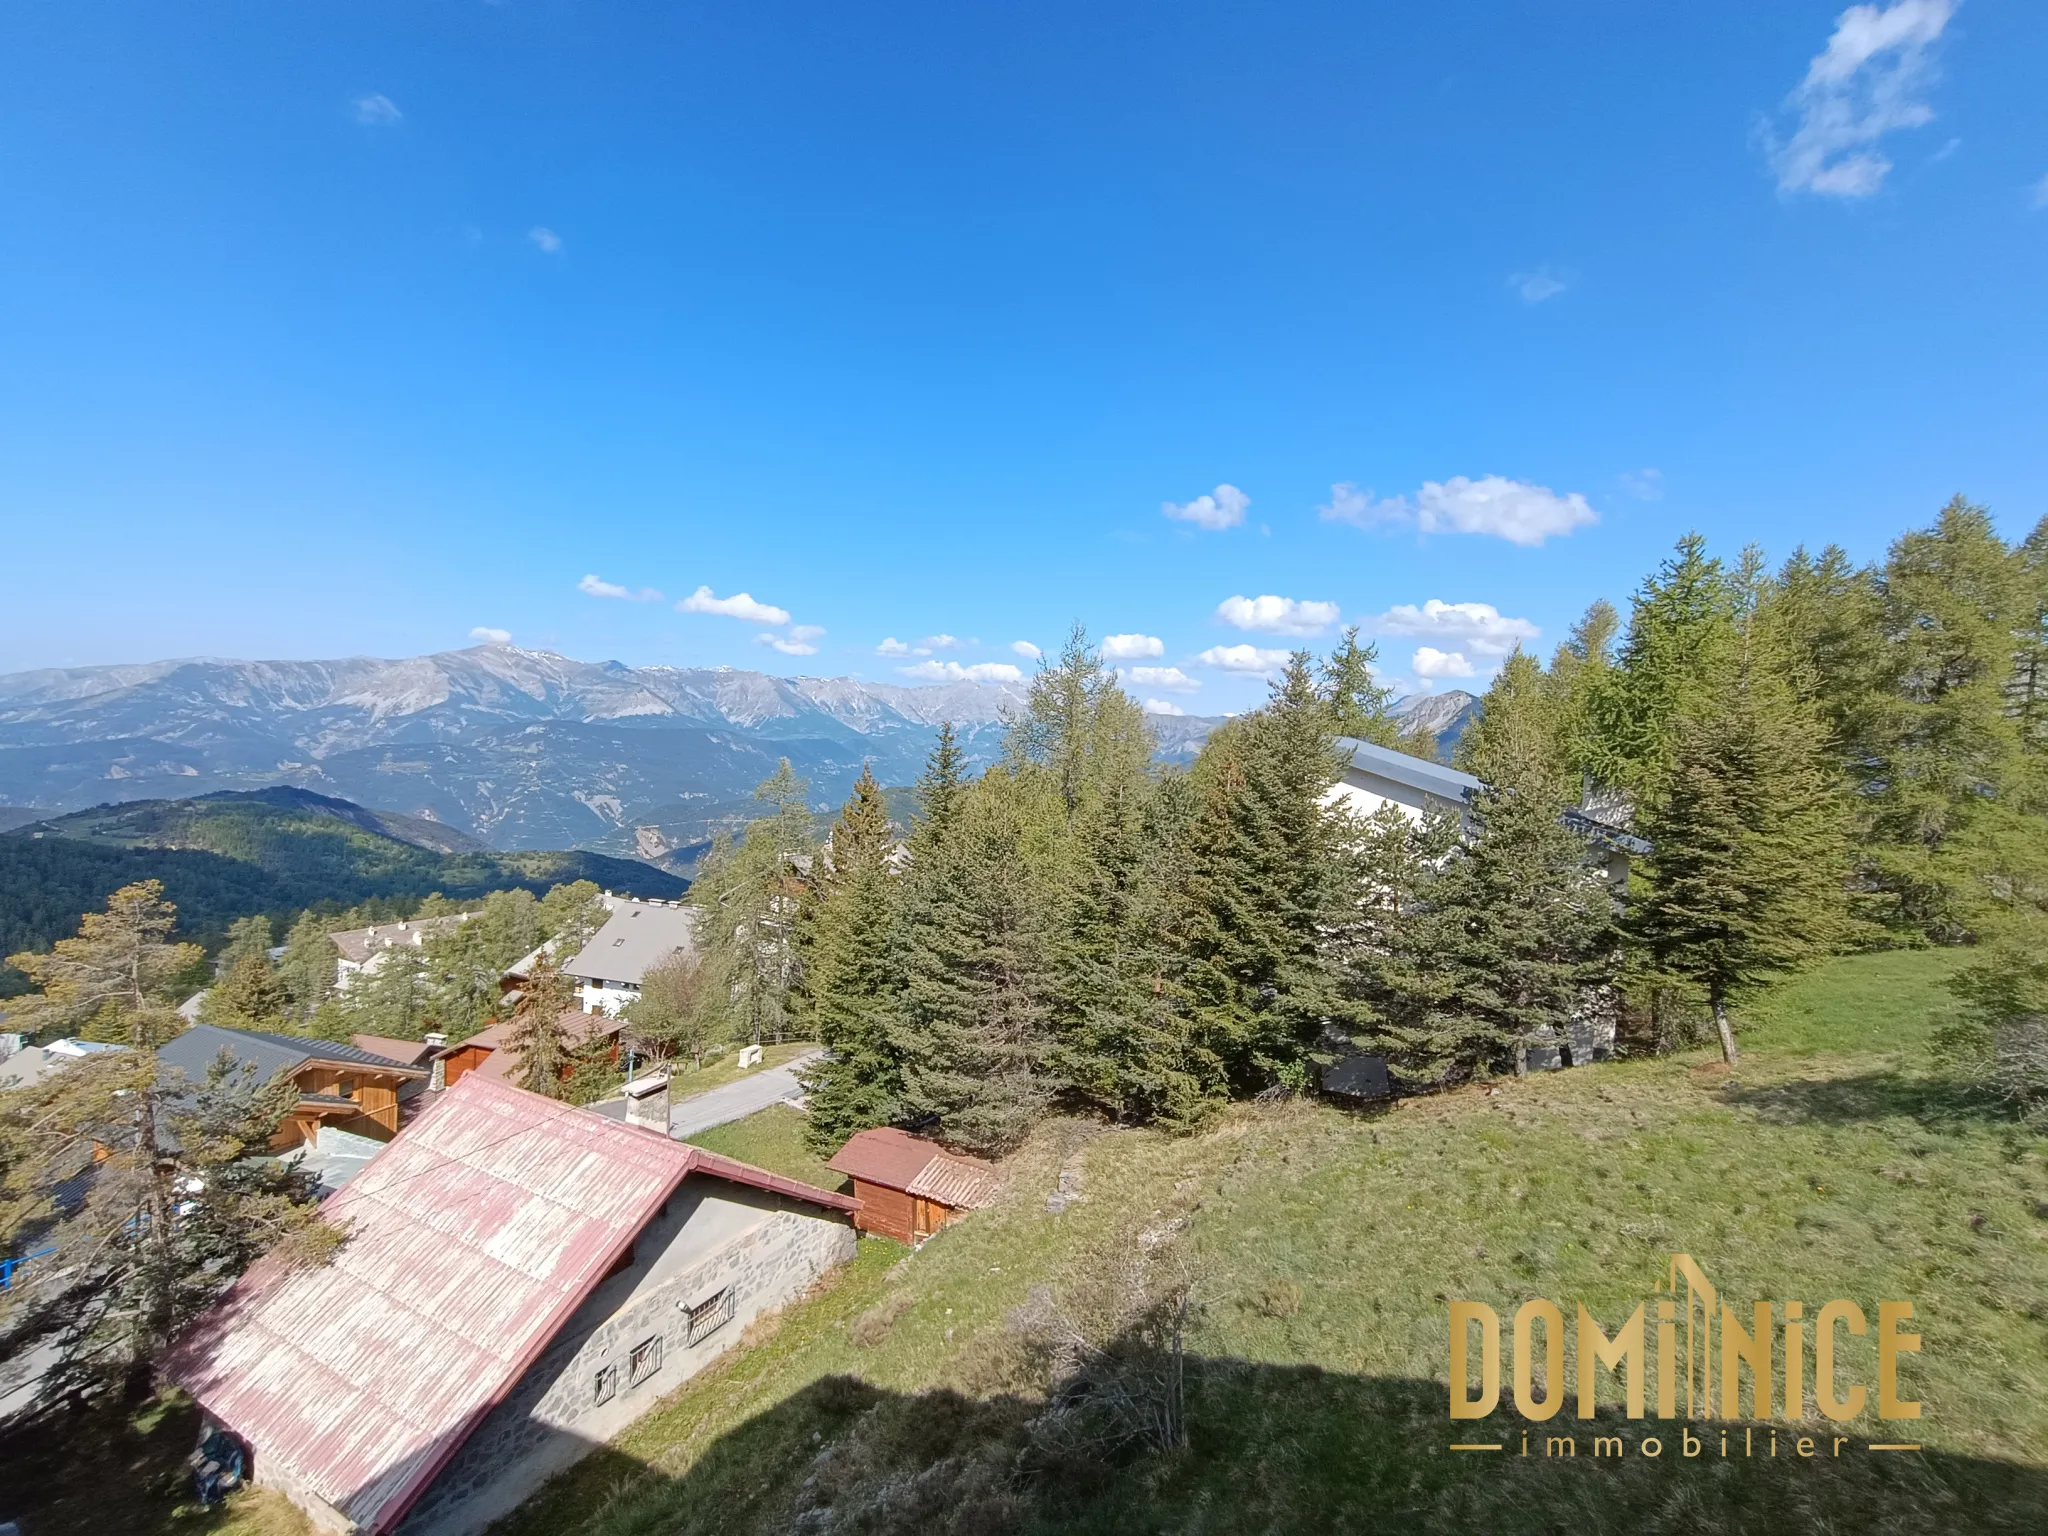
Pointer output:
x,y
617,942
607,1384
644,1361
709,1315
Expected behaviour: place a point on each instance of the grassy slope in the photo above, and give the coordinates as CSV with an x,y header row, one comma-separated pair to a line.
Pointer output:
x,y
1843,1164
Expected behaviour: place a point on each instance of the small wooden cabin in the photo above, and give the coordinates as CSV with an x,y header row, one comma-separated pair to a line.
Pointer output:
x,y
909,1187
344,1086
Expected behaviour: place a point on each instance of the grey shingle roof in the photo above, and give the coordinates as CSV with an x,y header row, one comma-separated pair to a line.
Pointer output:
x,y
195,1051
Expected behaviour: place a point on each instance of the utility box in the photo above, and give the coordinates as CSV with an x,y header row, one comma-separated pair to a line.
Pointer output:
x,y
750,1057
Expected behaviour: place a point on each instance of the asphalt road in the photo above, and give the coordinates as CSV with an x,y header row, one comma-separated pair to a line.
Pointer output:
x,y
730,1101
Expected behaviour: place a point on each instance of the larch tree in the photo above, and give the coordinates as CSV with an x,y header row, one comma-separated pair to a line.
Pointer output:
x,y
1359,706
537,1035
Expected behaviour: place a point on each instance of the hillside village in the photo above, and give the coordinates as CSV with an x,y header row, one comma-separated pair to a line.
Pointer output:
x,y
412,1221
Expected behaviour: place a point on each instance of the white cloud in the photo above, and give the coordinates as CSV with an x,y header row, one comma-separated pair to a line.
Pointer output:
x,y
1644,484
892,647
932,643
376,110
1172,679
1131,647
1432,663
2041,193
549,242
1513,510
1162,707
1535,287
1026,649
1243,658
953,672
1479,628
1221,508
1866,83
739,606
796,643
1277,615
597,586
491,636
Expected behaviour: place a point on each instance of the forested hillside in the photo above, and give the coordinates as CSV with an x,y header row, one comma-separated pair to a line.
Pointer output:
x,y
273,852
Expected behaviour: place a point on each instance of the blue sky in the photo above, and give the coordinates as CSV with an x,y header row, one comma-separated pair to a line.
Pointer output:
x,y
339,328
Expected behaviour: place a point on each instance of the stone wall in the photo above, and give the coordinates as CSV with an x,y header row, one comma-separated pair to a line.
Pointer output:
x,y
551,1418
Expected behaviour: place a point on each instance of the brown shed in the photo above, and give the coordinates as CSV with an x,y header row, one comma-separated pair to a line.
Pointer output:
x,y
909,1187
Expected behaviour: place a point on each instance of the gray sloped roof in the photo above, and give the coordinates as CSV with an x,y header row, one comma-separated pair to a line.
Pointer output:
x,y
1416,772
195,1051
637,937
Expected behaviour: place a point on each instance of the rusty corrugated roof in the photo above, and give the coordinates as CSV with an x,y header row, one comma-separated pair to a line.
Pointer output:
x,y
898,1160
471,1239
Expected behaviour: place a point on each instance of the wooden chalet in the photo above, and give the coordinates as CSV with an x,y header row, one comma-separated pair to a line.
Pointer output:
x,y
344,1086
908,1187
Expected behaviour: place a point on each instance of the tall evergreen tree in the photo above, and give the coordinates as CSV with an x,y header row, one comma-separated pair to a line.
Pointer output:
x,y
307,966
1266,878
750,891
1749,839
1954,606
1507,929
1678,638
536,1032
852,993
975,1036
1359,706
248,997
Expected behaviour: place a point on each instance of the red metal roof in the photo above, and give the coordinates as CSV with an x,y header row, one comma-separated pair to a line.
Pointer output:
x,y
898,1160
471,1239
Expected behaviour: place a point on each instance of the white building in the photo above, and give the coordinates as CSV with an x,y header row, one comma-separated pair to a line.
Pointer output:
x,y
636,938
362,951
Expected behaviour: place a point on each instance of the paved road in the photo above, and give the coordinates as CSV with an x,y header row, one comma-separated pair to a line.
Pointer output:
x,y
730,1101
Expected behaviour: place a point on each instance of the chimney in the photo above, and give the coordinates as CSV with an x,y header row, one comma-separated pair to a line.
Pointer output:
x,y
437,1075
647,1103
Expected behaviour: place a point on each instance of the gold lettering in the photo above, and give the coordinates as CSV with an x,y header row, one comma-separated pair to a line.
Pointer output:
x,y
1624,1352
1824,1359
1751,1349
1805,1446
1651,1447
1608,1445
1667,1359
1571,1446
1463,1315
1890,1345
1795,1361
1529,1314
1687,1445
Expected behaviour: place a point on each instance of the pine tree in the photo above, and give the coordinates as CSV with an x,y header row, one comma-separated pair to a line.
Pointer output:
x,y
135,1258
2029,688
852,994
1508,931
1579,674
750,892
1678,639
537,1036
249,938
1749,839
248,997
307,966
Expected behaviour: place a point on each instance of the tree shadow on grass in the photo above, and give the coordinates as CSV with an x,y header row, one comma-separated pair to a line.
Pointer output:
x,y
1272,1449
1869,1096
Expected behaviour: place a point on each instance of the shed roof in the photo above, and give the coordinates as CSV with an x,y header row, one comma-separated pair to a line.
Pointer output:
x,y
195,1051
414,1053
636,938
358,944
898,1160
471,1240
1418,773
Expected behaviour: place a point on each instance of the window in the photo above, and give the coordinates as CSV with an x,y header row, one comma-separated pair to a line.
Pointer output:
x,y
644,1361
706,1317
607,1384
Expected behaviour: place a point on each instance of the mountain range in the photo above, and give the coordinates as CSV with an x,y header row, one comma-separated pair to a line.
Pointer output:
x,y
505,747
